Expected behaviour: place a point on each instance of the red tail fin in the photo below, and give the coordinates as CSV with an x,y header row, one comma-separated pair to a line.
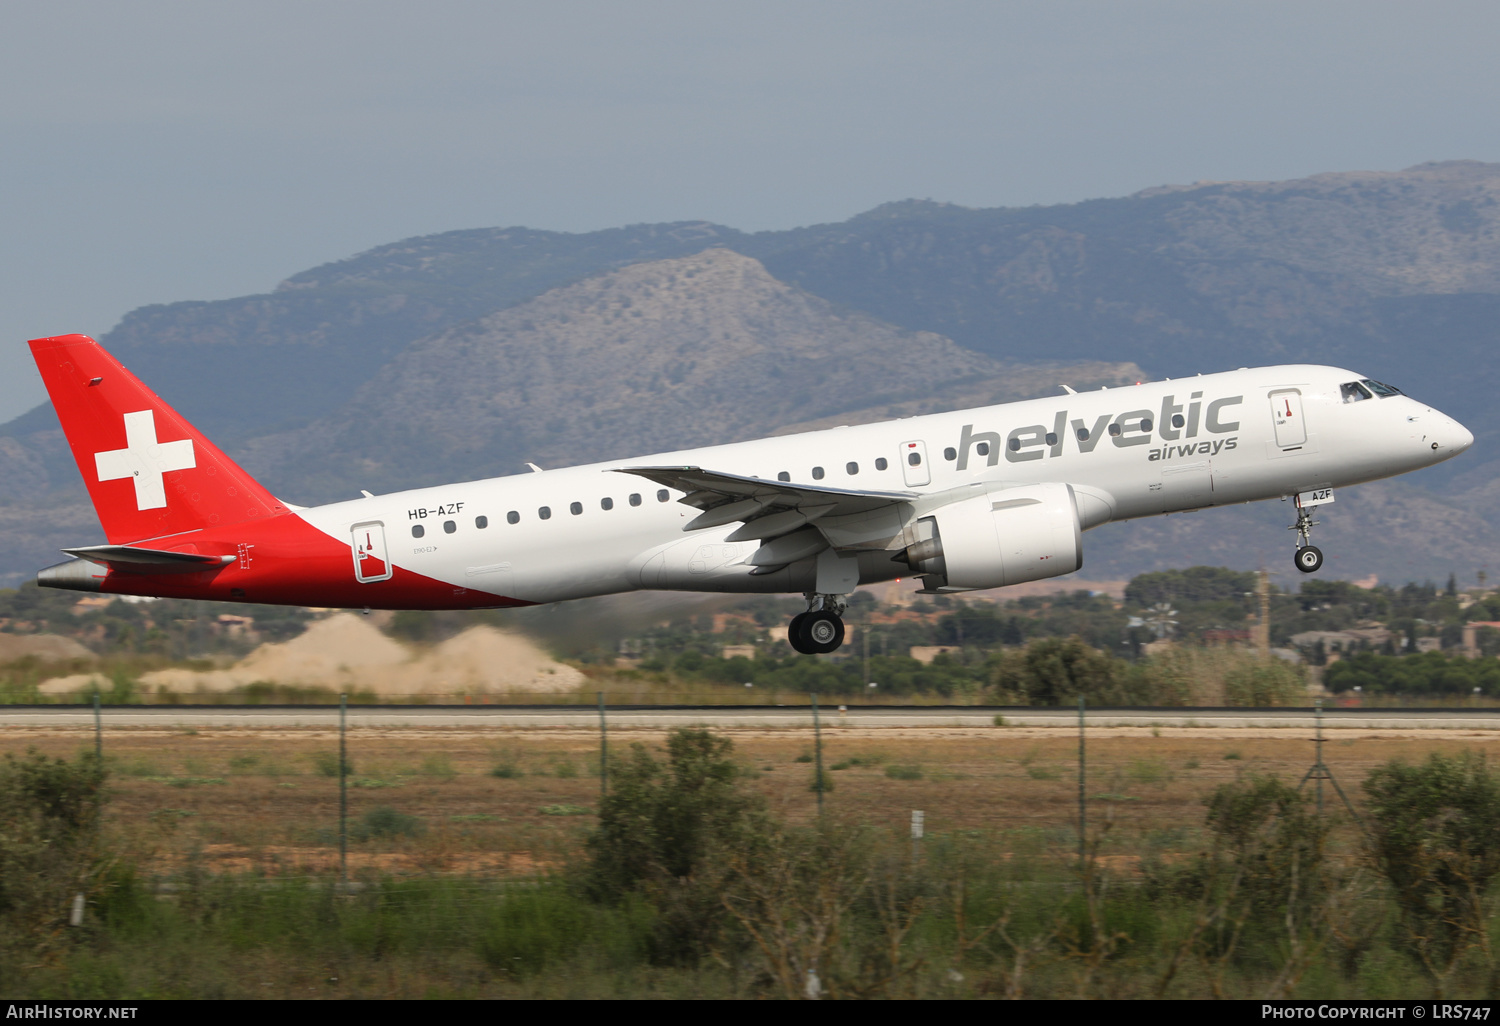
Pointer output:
x,y
149,472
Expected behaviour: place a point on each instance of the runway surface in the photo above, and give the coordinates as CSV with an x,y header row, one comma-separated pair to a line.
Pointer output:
x,y
626,717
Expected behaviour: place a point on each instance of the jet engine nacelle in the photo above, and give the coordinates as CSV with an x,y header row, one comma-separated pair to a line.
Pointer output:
x,y
1004,537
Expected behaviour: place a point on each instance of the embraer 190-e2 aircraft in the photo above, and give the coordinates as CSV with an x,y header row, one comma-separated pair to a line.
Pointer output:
x,y
969,500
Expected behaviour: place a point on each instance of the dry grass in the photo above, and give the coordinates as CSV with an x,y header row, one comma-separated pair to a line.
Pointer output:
x,y
231,799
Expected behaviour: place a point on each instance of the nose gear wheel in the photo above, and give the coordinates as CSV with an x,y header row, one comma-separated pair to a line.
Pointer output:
x,y
1308,557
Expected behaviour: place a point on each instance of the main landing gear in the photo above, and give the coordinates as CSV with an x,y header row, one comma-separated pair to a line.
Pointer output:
x,y
821,629
1308,557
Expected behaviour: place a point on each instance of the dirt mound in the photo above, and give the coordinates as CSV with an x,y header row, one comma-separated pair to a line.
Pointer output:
x,y
49,648
346,653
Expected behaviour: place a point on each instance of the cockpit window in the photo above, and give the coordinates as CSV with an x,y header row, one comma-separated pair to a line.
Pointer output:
x,y
1353,392
1379,389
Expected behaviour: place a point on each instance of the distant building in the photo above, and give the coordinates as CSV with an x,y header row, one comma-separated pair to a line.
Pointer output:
x,y
236,626
1343,642
1471,635
925,654
730,651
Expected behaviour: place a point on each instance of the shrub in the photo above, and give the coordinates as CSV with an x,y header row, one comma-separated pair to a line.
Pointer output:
x,y
1267,876
506,771
439,766
49,821
1148,771
386,822
899,772
327,764
661,828
1435,833
1265,682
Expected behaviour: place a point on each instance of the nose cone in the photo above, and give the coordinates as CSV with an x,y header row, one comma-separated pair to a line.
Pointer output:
x,y
1448,437
1462,437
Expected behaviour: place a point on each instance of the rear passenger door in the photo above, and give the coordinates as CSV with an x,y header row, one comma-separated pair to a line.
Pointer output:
x,y
371,562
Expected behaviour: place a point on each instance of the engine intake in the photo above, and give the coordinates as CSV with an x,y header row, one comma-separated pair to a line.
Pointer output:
x,y
989,541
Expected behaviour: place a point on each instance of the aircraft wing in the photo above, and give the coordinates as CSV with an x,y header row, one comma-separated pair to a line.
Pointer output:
x,y
131,560
767,509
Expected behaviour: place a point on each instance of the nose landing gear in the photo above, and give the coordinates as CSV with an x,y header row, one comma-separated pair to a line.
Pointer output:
x,y
1308,557
819,630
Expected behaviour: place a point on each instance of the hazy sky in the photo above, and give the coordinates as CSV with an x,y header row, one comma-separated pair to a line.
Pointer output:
x,y
156,152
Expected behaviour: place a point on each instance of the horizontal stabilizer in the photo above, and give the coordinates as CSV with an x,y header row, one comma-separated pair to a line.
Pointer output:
x,y
131,560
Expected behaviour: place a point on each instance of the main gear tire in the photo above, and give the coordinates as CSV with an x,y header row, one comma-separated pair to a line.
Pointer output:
x,y
794,633
820,632
1309,559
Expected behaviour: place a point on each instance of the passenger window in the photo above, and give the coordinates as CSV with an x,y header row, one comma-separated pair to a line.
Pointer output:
x,y
881,463
817,473
575,508
1083,434
1051,438
1115,430
783,476
914,459
417,530
1146,424
635,498
950,454
481,522
662,496
512,517
545,513
851,469
1177,420
449,527
1015,445
982,448
606,503
1353,392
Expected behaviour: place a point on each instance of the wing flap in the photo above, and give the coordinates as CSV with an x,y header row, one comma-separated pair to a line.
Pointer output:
x,y
767,509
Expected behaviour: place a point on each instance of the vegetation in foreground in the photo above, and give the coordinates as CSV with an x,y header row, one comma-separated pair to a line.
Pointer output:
x,y
691,886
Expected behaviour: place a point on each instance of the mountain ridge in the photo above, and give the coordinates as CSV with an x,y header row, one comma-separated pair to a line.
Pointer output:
x,y
1395,274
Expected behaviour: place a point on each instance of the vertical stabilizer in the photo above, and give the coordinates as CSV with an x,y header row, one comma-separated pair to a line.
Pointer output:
x,y
149,472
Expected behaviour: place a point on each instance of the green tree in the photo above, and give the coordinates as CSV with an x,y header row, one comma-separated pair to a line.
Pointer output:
x,y
1055,671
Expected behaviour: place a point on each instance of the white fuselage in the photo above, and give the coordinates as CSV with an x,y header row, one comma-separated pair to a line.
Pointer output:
x,y
1244,435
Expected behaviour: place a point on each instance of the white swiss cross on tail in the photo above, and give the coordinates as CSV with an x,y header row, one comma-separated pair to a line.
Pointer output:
x,y
145,459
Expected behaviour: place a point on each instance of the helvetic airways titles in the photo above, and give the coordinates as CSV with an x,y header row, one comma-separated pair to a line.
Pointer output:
x,y
1134,427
